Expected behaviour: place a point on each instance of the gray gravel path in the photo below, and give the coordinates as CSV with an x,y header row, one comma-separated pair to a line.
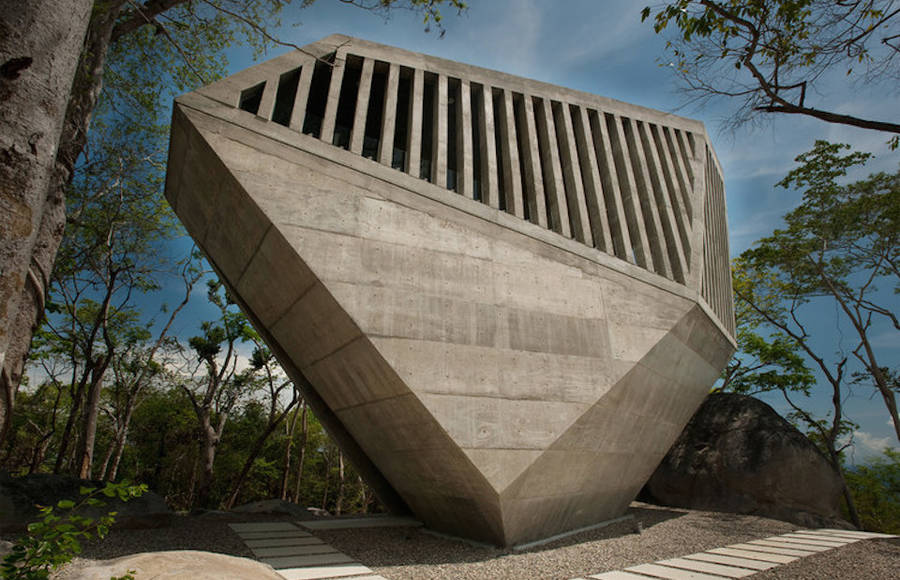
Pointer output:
x,y
412,554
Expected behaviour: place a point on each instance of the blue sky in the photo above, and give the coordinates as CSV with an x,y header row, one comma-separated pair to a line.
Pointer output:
x,y
603,48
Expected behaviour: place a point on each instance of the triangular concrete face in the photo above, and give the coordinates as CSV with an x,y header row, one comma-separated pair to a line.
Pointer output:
x,y
488,373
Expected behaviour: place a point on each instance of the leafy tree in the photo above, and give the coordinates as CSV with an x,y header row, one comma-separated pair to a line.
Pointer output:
x,y
214,392
34,78
263,362
773,55
836,246
839,244
876,487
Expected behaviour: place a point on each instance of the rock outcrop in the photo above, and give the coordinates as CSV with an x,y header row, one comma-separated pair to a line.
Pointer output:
x,y
186,564
20,496
738,455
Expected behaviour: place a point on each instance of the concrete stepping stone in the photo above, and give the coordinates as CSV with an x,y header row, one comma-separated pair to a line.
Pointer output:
x,y
745,559
770,549
657,571
855,534
275,534
814,540
263,527
751,555
618,575
789,546
757,565
279,551
307,561
321,572
275,542
707,568
351,523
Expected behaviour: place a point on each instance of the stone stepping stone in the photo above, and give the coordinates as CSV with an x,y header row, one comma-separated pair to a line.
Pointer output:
x,y
707,567
321,572
731,561
351,523
657,571
277,551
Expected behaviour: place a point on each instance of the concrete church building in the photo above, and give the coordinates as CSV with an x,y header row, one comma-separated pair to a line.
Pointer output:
x,y
504,299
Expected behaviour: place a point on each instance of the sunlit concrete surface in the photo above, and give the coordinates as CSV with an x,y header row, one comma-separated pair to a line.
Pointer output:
x,y
503,298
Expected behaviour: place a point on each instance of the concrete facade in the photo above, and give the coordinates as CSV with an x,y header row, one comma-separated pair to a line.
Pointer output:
x,y
503,298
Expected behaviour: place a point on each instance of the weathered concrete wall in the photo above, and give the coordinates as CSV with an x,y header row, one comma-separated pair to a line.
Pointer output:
x,y
507,379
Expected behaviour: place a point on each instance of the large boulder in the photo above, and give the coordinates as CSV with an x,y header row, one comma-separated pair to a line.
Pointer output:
x,y
20,496
175,565
738,455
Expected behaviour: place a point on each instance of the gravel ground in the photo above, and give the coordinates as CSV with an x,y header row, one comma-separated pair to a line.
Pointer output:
x,y
413,554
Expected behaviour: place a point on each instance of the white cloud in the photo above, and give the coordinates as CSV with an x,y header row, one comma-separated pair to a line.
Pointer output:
x,y
868,445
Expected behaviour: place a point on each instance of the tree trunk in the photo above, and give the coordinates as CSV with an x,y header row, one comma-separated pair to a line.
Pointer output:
x,y
40,43
251,459
121,440
286,465
208,445
74,412
304,434
89,426
339,502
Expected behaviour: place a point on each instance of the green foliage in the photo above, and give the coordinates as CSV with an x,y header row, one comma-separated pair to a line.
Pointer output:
x,y
56,538
772,54
876,489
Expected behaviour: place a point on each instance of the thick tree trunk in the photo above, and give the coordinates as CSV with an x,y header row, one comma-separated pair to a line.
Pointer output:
x,y
40,43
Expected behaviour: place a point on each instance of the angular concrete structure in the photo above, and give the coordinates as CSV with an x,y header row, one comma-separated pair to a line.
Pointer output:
x,y
503,298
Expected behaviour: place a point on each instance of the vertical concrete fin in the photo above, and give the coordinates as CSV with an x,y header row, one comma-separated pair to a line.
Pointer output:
x,y
298,113
647,199
512,178
571,169
680,172
590,175
414,137
554,189
334,95
533,185
487,149
658,179
612,193
675,196
464,168
717,281
358,132
389,118
439,135
636,228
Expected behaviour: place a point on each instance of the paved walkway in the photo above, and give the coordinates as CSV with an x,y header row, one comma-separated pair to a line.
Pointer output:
x,y
741,560
298,555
